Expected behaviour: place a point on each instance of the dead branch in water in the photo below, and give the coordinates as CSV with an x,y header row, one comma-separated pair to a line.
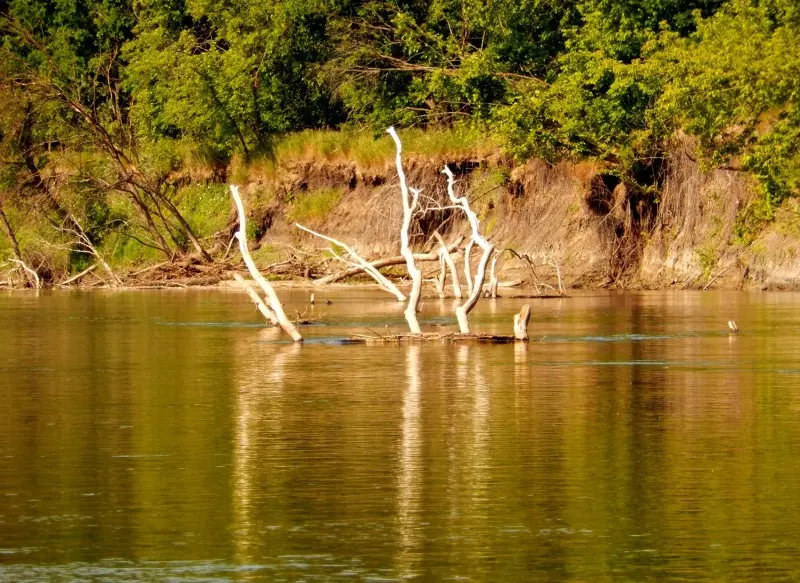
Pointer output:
x,y
432,337
462,311
521,322
274,302
262,307
410,198
367,267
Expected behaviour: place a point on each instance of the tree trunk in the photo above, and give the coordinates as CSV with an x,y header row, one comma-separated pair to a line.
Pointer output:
x,y
476,287
521,323
409,206
274,301
9,232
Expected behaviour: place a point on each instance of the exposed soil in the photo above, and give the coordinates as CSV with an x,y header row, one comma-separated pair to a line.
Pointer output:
x,y
675,228
598,230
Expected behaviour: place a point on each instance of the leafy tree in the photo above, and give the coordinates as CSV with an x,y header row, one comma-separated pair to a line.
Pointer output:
x,y
737,88
433,62
227,74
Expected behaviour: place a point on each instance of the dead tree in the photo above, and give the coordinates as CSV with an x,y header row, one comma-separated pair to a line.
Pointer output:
x,y
476,283
410,197
384,262
274,302
447,260
410,202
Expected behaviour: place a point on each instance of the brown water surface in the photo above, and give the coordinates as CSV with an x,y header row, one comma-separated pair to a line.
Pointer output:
x,y
167,435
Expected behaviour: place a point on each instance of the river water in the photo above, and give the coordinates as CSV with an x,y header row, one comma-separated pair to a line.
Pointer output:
x,y
168,436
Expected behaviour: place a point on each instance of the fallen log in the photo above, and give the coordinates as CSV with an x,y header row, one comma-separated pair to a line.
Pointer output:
x,y
77,276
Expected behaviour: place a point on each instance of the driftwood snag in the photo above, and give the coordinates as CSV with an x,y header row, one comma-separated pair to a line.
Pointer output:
x,y
274,302
521,323
410,198
262,307
462,311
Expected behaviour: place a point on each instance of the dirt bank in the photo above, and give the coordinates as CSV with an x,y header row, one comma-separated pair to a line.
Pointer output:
x,y
678,227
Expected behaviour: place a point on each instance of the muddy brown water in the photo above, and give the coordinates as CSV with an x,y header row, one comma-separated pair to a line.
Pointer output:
x,y
168,436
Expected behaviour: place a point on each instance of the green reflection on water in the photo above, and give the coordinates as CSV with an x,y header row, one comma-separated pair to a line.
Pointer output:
x,y
153,435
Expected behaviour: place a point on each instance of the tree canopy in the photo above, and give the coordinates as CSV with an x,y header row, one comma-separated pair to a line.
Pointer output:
x,y
610,80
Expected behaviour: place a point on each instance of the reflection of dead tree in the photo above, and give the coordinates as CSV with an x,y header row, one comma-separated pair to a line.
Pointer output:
x,y
462,311
274,302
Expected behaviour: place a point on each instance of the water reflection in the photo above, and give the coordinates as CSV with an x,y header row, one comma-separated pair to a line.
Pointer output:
x,y
411,466
638,441
260,370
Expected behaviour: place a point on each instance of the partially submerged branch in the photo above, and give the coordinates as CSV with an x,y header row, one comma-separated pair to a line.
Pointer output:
x,y
274,303
464,309
262,307
521,323
410,198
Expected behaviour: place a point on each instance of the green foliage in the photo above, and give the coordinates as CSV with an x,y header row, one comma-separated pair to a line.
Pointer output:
x,y
227,76
92,88
315,205
206,207
736,88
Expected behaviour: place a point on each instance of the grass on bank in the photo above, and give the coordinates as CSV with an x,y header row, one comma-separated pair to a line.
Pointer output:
x,y
364,148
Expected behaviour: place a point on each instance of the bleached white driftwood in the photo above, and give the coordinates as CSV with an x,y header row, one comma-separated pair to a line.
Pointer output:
x,y
274,303
493,281
467,266
364,264
446,258
410,197
521,323
384,262
262,307
462,311
36,281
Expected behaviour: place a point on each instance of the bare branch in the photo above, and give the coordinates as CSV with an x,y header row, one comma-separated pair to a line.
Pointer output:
x,y
37,282
262,307
274,301
405,247
464,309
367,267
